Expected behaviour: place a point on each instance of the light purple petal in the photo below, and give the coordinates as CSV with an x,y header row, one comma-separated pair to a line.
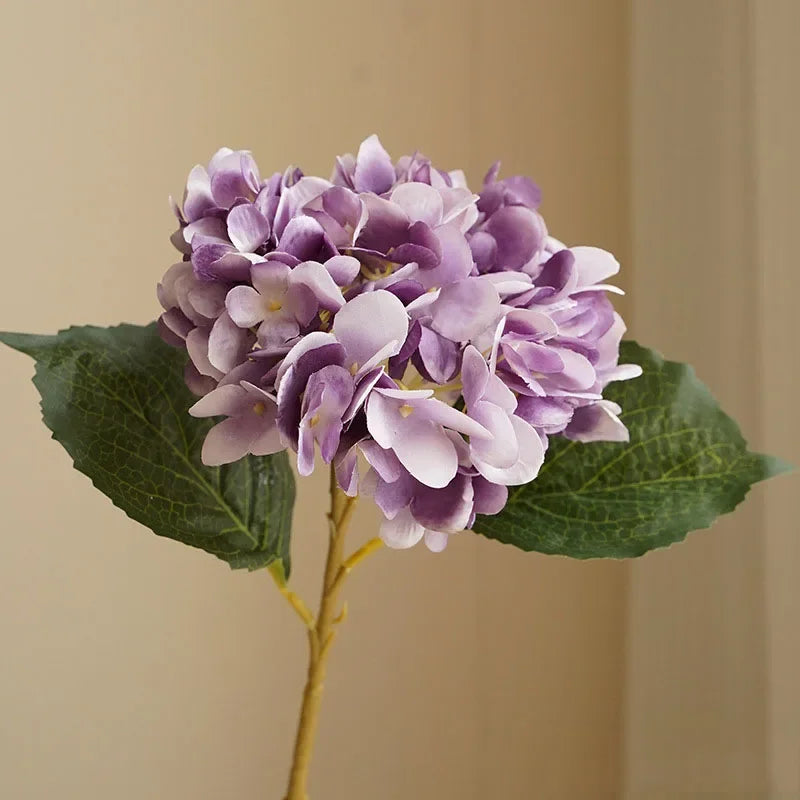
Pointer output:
x,y
420,202
248,229
303,238
490,498
227,344
424,449
465,309
531,456
245,306
435,541
197,347
319,281
594,265
374,171
519,233
197,199
597,423
401,532
229,400
343,269
456,260
368,323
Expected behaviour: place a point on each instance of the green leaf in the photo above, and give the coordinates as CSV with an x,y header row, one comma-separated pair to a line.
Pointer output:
x,y
116,400
686,463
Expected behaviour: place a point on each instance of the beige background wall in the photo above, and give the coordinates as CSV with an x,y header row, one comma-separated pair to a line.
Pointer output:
x,y
712,704
134,668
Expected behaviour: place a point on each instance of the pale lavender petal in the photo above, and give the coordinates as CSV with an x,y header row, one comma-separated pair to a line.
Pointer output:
x,y
386,224
197,347
248,229
228,400
549,413
420,202
208,299
383,461
197,199
465,309
343,269
401,532
227,344
594,265
531,457
435,541
391,497
502,450
484,250
245,306
597,423
424,449
316,277
229,440
270,278
175,327
208,230
197,384
474,375
368,323
456,260
346,466
490,498
374,171
439,355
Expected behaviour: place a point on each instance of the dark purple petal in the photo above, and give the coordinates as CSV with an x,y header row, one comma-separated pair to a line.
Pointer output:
x,y
445,509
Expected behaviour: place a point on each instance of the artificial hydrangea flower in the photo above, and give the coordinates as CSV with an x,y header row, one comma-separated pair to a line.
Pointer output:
x,y
389,316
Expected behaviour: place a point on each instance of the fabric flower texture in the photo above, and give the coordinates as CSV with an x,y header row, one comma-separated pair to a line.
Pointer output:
x,y
425,340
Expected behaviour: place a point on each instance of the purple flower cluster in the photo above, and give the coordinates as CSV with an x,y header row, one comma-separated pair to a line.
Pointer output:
x,y
390,313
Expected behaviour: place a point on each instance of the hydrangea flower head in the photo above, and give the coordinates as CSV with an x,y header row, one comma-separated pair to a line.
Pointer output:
x,y
425,340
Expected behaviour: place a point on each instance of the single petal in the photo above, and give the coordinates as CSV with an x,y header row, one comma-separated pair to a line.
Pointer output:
x,y
425,450
227,344
401,532
456,258
197,198
270,278
489,498
420,202
368,323
597,422
384,462
229,440
197,347
229,400
531,457
374,171
439,355
446,509
594,265
435,541
519,233
343,269
303,238
317,278
245,306
465,309
248,229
